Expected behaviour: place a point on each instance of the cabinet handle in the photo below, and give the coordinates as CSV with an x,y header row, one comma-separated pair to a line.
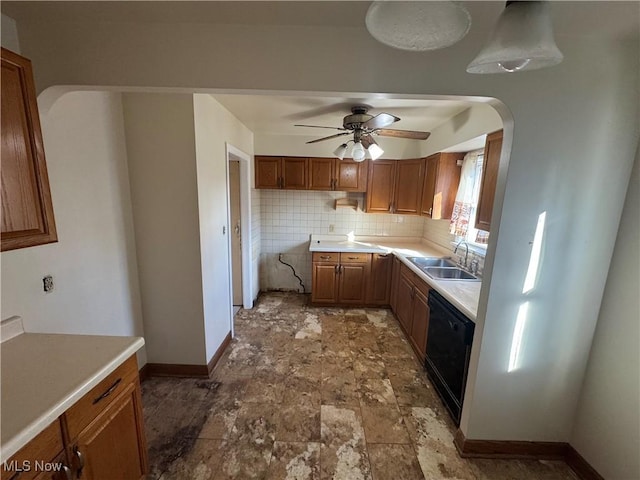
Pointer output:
x,y
341,269
353,258
325,257
336,269
108,392
67,472
80,457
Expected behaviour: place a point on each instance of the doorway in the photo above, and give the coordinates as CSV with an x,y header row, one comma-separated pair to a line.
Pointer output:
x,y
235,207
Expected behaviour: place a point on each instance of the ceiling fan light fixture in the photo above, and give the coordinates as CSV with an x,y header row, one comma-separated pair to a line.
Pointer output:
x,y
358,153
522,40
375,151
418,26
341,151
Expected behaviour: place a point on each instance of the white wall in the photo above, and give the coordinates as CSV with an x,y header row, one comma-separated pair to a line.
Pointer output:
x,y
94,261
9,34
574,132
214,127
162,169
607,425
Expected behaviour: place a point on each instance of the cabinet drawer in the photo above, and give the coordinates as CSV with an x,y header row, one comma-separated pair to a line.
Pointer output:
x,y
422,286
332,257
43,448
89,406
354,257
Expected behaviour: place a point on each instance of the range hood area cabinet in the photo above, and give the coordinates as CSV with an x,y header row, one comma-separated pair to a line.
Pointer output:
x,y
288,173
440,186
395,186
27,209
335,174
492,149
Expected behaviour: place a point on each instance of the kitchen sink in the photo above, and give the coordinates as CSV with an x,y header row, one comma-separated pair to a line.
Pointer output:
x,y
456,273
423,262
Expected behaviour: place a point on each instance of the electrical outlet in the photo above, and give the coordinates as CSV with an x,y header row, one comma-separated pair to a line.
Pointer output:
x,y
332,227
47,282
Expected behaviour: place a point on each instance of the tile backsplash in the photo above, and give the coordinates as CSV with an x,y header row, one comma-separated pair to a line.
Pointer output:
x,y
288,217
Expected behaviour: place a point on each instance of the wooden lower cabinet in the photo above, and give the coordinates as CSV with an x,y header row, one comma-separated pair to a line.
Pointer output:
x,y
379,287
100,437
395,278
340,278
111,445
412,309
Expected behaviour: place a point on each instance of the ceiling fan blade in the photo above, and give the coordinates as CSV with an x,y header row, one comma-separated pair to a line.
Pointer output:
x,y
379,121
389,132
329,137
319,126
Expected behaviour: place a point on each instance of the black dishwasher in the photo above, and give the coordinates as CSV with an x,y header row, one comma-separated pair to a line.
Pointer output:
x,y
449,339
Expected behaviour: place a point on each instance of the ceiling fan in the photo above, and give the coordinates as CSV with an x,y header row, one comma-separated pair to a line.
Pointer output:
x,y
364,127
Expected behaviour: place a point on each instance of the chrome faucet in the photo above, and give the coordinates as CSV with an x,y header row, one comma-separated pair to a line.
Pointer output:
x,y
466,254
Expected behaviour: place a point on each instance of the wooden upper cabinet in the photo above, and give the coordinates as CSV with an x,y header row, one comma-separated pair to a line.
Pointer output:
x,y
408,187
395,186
268,172
440,186
334,174
350,176
281,172
492,149
27,209
294,173
321,173
382,174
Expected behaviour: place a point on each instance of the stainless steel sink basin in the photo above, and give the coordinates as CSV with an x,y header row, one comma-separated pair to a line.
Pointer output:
x,y
423,262
440,273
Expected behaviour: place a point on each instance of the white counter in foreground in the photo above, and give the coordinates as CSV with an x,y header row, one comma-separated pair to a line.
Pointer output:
x,y
462,294
45,374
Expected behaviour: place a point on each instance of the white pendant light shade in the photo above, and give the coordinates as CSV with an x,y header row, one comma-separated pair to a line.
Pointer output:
x,y
341,151
417,26
374,151
522,40
358,153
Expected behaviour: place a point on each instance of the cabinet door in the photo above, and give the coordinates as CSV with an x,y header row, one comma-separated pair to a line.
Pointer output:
x,y
294,173
113,445
379,288
353,283
420,324
380,186
404,303
492,149
324,287
408,187
395,280
321,173
351,176
27,210
268,172
429,185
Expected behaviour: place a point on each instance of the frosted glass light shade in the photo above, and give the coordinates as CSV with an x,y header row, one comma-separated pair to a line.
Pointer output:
x,y
374,151
358,152
341,151
417,26
522,40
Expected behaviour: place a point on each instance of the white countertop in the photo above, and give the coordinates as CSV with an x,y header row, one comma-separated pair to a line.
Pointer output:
x,y
45,374
462,294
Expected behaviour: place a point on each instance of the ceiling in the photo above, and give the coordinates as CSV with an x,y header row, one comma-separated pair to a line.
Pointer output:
x,y
277,114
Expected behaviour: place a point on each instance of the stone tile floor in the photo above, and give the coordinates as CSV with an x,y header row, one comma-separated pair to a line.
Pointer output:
x,y
306,393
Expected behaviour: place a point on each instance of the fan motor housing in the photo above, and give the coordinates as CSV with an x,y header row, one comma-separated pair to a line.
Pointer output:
x,y
358,117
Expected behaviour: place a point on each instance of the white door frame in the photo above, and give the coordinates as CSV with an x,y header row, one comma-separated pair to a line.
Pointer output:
x,y
234,153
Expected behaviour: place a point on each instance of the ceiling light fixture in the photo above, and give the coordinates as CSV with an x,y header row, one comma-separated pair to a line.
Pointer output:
x,y
373,149
357,153
418,26
341,151
522,40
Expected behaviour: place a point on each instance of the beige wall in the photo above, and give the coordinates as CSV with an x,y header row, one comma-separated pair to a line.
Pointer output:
x,y
607,425
214,127
164,197
9,34
94,261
